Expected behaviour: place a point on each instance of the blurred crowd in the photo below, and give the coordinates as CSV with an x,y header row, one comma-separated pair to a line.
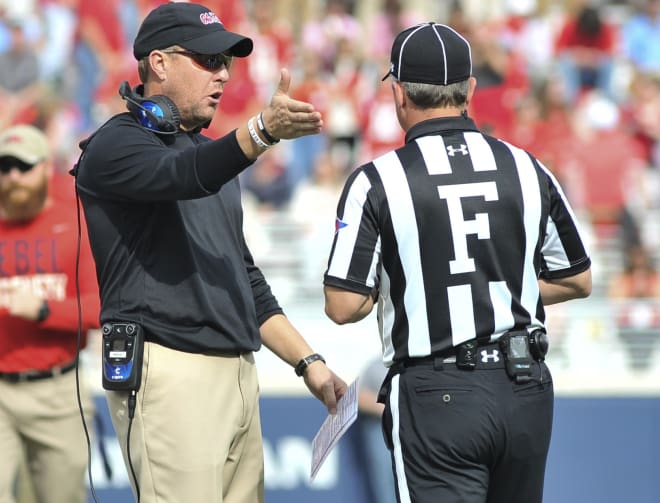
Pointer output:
x,y
575,82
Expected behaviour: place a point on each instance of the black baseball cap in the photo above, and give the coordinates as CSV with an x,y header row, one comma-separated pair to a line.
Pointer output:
x,y
191,26
430,53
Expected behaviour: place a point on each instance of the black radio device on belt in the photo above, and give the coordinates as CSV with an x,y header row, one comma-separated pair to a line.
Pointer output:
x,y
466,355
122,355
521,350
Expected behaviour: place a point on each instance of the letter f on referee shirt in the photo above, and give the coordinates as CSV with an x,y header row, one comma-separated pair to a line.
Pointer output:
x,y
460,228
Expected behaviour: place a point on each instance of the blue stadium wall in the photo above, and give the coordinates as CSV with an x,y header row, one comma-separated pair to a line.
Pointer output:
x,y
604,450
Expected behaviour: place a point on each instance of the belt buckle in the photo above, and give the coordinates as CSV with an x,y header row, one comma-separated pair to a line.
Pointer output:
x,y
54,371
27,376
22,377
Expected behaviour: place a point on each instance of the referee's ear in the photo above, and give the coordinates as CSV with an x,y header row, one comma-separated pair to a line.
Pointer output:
x,y
472,85
399,95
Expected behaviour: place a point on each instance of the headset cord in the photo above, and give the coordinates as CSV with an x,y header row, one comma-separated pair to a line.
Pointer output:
x,y
131,412
133,393
78,348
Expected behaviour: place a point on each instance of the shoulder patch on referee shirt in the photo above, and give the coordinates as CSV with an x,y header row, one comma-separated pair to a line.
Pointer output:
x,y
339,225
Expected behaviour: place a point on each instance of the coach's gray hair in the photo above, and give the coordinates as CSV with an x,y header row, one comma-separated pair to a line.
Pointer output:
x,y
434,96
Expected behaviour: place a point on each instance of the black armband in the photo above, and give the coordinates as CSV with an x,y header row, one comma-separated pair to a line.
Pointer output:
x,y
269,138
302,365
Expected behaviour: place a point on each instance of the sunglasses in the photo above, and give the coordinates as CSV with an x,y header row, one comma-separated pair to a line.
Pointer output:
x,y
9,163
208,61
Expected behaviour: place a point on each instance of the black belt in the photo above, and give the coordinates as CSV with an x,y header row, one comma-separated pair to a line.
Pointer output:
x,y
487,356
35,375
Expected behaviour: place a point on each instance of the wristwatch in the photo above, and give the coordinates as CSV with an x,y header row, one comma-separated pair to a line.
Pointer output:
x,y
304,363
44,311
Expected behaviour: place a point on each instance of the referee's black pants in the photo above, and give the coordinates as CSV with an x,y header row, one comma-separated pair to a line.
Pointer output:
x,y
467,436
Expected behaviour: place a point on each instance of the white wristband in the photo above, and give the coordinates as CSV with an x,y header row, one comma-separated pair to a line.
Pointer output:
x,y
255,136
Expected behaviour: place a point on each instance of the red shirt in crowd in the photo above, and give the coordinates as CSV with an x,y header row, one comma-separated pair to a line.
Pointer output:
x,y
570,37
41,255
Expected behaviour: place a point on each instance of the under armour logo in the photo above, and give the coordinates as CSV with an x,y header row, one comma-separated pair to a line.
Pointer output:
x,y
493,356
451,150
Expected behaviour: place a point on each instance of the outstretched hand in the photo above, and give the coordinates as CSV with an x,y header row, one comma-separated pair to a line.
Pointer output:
x,y
286,118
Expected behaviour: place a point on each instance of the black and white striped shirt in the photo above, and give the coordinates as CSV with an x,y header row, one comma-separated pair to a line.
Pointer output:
x,y
453,228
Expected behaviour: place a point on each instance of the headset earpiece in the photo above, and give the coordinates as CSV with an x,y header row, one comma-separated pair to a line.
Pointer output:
x,y
156,113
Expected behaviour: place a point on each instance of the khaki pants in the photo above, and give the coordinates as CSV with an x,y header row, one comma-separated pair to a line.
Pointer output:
x,y
196,432
24,489
41,421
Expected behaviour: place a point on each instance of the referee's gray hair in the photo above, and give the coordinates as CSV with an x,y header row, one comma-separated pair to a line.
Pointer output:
x,y
434,96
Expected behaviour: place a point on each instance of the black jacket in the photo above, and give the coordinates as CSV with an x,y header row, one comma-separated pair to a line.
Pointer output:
x,y
165,224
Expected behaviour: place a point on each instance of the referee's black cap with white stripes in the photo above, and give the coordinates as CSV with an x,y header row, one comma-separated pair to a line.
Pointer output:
x,y
430,53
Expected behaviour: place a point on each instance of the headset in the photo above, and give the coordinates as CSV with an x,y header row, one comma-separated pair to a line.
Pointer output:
x,y
156,113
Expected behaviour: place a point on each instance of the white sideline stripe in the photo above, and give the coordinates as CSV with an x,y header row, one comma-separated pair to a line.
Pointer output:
x,y
401,481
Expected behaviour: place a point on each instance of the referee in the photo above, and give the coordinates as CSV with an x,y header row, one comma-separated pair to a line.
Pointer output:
x,y
460,239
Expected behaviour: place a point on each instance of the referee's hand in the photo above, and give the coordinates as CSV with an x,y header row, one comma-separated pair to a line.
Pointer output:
x,y
324,384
